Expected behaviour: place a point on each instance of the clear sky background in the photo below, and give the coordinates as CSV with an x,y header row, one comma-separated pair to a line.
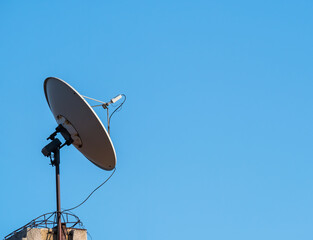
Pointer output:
x,y
215,138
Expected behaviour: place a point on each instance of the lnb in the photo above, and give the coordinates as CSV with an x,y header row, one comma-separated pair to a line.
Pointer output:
x,y
113,100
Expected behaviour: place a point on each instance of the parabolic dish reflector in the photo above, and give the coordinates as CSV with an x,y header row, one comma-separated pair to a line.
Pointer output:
x,y
71,110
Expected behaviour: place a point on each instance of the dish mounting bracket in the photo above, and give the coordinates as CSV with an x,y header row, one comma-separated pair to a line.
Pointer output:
x,y
54,148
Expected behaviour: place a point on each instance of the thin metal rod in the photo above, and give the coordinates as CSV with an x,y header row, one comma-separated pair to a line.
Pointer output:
x,y
99,105
58,197
108,117
93,99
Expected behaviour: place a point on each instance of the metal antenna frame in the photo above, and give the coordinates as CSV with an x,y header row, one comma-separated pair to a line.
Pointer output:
x,y
105,105
54,148
48,220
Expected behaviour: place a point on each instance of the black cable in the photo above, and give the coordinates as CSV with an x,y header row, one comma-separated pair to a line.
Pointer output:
x,y
89,235
91,193
118,107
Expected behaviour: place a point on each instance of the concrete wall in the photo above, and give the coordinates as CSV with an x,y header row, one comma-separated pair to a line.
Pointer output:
x,y
49,234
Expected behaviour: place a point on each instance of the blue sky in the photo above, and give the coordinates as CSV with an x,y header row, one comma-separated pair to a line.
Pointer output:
x,y
214,141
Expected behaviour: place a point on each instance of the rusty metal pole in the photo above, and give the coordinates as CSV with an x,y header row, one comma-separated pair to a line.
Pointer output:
x,y
57,178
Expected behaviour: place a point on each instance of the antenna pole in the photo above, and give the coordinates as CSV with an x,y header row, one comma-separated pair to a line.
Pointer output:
x,y
57,178
54,147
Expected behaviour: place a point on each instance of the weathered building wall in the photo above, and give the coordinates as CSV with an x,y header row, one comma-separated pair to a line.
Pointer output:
x,y
49,234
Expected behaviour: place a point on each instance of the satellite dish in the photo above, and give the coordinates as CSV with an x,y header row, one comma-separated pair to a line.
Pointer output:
x,y
80,126
86,130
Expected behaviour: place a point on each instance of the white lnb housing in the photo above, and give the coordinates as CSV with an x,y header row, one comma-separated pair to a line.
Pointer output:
x,y
113,100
